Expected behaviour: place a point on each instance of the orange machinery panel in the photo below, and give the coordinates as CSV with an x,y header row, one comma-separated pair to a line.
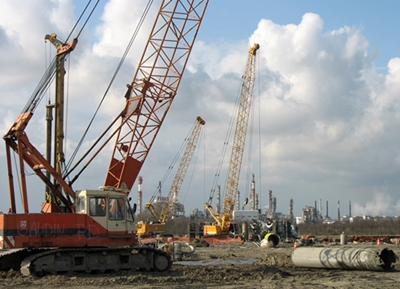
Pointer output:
x,y
58,230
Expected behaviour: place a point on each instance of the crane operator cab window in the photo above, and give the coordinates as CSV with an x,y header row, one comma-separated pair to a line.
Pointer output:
x,y
97,206
80,205
117,209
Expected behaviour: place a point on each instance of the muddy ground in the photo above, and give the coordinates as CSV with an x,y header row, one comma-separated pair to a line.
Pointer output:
x,y
236,266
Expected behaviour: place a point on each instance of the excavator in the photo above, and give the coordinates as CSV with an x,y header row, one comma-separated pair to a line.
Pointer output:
x,y
163,215
93,229
223,220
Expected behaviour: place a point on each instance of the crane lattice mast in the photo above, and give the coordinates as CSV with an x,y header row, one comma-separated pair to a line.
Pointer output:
x,y
170,201
224,219
153,88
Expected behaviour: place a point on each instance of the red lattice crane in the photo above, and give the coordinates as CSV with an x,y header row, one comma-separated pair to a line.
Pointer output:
x,y
93,230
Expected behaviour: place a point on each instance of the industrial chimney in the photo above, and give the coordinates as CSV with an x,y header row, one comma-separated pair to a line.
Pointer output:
x,y
218,199
252,197
140,181
159,192
349,208
291,210
269,202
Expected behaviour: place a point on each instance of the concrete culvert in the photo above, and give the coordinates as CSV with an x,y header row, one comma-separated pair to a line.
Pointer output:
x,y
270,240
373,259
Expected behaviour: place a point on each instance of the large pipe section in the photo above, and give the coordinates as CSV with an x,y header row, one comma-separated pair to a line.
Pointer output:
x,y
270,240
373,259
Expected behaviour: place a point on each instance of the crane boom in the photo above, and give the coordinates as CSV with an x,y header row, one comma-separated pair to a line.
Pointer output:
x,y
69,239
153,88
169,204
224,219
167,209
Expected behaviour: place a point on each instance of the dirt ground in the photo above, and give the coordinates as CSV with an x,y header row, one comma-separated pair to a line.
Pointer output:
x,y
234,266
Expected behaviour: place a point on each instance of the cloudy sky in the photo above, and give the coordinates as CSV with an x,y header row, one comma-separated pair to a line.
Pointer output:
x,y
326,108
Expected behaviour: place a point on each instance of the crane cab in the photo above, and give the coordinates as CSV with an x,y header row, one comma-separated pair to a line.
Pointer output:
x,y
110,209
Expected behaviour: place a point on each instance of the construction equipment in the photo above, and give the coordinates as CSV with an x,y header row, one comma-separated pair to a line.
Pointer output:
x,y
223,220
162,216
93,230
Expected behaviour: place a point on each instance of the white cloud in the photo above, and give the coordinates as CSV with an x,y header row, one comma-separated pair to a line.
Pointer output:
x,y
380,205
328,120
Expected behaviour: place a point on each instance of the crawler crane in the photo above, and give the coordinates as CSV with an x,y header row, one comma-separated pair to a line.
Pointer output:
x,y
93,230
168,207
223,219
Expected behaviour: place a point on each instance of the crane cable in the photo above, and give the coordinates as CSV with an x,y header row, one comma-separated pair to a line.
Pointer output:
x,y
259,127
251,136
135,33
174,160
79,19
225,145
193,170
47,78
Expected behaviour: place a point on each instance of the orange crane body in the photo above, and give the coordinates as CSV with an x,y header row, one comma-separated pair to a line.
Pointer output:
x,y
94,229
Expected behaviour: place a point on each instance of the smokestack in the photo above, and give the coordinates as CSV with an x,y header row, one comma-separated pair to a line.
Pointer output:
x,y
338,210
159,192
256,202
349,208
320,209
252,197
269,202
274,205
218,199
140,181
327,216
291,210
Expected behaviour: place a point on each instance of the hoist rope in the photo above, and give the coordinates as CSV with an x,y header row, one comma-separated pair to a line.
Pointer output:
x,y
234,116
174,160
136,31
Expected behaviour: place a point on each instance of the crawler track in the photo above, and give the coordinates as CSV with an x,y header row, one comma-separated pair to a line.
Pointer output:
x,y
55,260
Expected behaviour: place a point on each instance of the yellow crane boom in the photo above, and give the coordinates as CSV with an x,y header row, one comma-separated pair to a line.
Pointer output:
x,y
168,207
223,220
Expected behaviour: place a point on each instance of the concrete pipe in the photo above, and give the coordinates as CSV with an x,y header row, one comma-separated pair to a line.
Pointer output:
x,y
372,259
270,240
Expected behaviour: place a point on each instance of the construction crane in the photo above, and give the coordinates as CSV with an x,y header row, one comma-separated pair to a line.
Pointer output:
x,y
223,219
163,215
93,230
